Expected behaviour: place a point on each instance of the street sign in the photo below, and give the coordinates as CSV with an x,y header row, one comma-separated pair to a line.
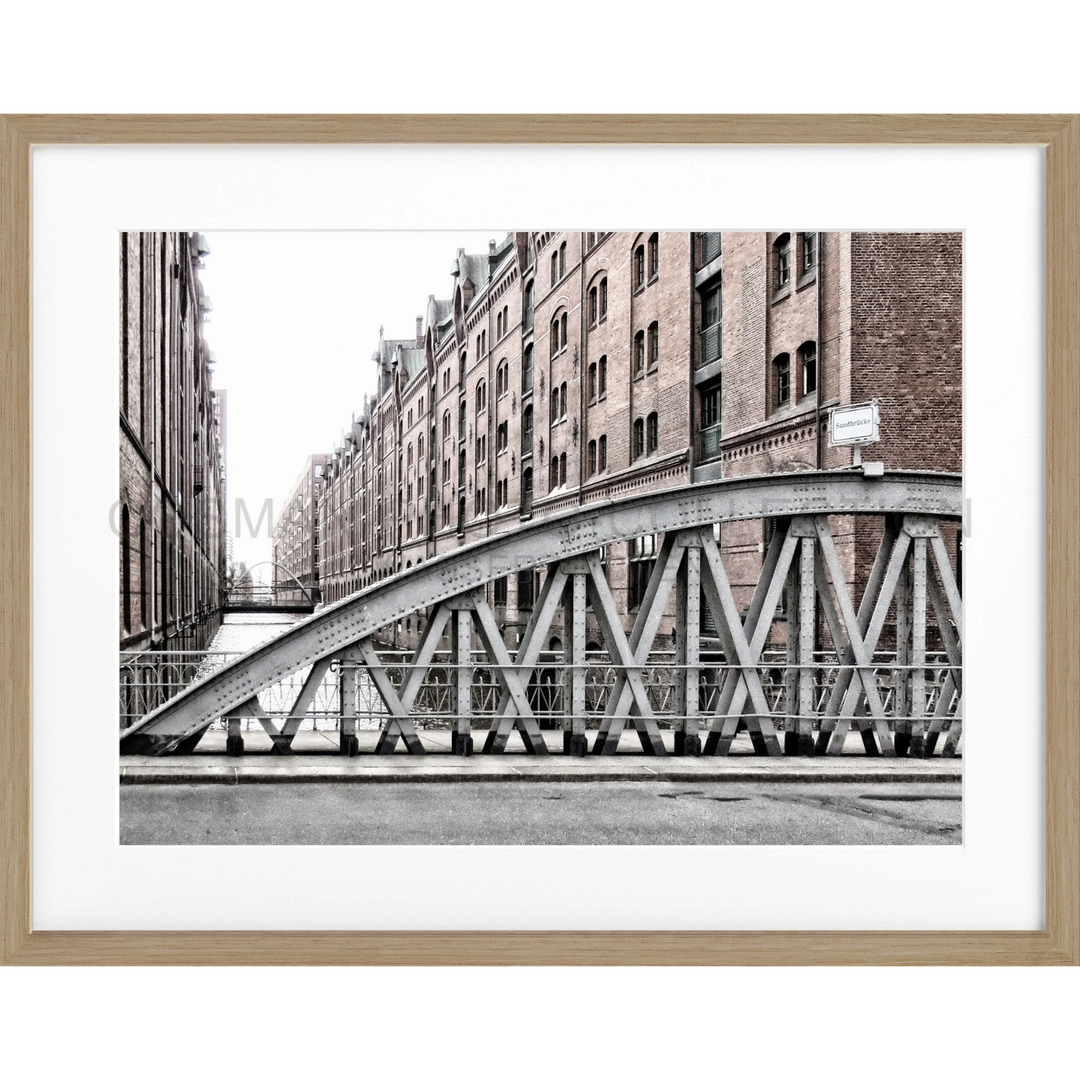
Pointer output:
x,y
854,425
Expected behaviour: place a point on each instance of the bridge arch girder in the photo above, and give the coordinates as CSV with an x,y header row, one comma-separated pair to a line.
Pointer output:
x,y
586,529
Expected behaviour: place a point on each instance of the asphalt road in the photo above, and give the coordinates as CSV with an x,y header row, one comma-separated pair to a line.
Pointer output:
x,y
604,812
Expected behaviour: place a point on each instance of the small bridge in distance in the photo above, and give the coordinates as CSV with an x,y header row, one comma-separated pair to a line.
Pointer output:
x,y
288,597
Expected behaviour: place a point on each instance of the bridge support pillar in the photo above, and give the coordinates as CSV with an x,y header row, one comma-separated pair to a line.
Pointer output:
x,y
461,633
917,747
348,743
574,740
234,742
802,633
688,648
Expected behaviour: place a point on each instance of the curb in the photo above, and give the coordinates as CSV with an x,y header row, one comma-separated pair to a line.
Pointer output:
x,y
254,774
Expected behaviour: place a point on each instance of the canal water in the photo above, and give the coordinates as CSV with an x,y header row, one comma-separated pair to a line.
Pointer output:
x,y
238,633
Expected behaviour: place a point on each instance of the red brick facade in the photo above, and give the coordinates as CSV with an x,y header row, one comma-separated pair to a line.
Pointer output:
x,y
567,368
171,513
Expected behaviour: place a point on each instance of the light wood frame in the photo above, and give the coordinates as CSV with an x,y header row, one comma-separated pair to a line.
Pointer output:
x,y
1058,944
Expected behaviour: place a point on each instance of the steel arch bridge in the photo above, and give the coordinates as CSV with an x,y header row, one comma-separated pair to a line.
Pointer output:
x,y
900,702
247,597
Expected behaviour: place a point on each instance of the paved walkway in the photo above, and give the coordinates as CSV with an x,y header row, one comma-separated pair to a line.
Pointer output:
x,y
319,760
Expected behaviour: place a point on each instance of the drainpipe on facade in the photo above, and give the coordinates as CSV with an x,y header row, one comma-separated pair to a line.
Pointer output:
x,y
153,434
820,348
178,493
691,463
582,362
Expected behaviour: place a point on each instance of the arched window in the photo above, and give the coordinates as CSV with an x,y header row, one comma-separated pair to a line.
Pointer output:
x,y
603,299
419,447
594,306
782,262
481,397
592,384
125,557
601,454
554,267
554,404
782,379
592,457
654,256
506,319
639,352
562,335
142,572
601,376
654,345
446,425
808,364
639,267
652,433
498,325
553,337
527,315
553,473
562,470
562,259
639,438
562,401
526,490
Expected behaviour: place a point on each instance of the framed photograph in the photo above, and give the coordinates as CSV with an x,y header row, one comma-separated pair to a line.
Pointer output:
x,y
540,540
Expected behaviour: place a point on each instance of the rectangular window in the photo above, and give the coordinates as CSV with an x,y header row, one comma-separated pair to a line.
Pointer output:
x,y
712,328
710,247
710,424
500,591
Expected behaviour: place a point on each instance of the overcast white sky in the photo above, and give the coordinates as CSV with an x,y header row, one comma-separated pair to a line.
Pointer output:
x,y
296,318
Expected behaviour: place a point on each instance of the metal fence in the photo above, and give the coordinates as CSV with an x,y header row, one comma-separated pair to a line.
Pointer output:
x,y
148,679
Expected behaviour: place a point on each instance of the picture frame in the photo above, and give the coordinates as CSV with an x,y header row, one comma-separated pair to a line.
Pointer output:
x,y
1059,943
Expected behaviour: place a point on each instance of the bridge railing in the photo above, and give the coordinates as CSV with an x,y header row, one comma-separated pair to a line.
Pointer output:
x,y
148,679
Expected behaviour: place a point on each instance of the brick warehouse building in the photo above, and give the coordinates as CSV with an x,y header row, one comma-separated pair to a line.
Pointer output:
x,y
171,515
296,534
569,368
